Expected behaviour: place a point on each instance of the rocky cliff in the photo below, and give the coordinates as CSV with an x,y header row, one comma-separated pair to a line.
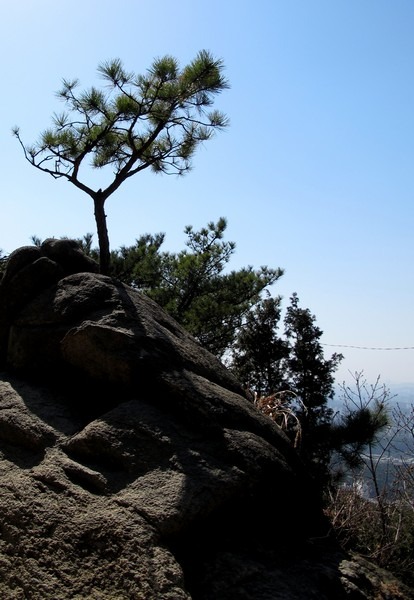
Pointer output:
x,y
132,466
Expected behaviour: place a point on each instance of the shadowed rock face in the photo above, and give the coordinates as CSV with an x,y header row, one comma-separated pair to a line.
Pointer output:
x,y
132,464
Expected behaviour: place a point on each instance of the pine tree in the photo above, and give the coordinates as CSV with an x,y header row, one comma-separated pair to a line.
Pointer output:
x,y
155,121
311,379
194,285
259,354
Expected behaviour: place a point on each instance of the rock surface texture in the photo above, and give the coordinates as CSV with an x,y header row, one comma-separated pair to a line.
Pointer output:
x,y
132,466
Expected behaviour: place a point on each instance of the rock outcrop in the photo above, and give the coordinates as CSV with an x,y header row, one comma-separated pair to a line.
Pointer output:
x,y
132,465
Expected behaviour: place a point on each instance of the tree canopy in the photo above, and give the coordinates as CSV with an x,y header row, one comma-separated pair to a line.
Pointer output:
x,y
156,120
193,285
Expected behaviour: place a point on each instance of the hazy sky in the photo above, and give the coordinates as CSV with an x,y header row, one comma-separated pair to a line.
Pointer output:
x,y
314,174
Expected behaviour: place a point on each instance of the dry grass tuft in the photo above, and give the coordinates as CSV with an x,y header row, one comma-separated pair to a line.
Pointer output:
x,y
277,407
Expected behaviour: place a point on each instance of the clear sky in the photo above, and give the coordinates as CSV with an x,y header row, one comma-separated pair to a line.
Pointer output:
x,y
314,174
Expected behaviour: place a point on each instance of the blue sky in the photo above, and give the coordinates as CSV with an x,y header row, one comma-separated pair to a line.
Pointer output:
x,y
314,174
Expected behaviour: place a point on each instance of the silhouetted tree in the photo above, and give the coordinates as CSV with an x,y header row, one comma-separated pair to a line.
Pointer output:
x,y
365,414
259,354
291,371
156,121
311,378
193,286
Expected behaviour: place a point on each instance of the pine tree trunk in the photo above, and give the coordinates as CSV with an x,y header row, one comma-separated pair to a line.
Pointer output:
x,y
103,239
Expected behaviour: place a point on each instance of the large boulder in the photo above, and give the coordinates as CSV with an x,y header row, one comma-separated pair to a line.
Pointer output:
x,y
132,465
